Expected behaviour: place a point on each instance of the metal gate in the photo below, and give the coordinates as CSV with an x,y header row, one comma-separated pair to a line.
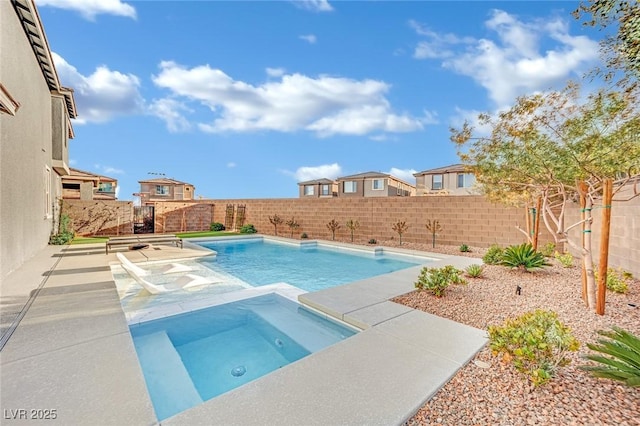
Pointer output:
x,y
143,219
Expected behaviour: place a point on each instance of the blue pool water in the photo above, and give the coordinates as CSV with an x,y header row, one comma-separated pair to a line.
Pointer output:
x,y
190,358
309,266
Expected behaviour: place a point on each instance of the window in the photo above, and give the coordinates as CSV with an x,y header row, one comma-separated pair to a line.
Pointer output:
x,y
308,190
377,184
437,182
399,189
466,180
75,186
105,187
162,189
350,186
325,190
47,192
8,105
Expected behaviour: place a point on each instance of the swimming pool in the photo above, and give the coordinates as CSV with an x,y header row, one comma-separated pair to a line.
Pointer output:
x,y
309,266
189,358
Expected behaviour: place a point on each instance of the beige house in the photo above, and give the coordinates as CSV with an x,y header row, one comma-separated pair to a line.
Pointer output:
x,y
165,189
81,185
373,184
449,180
319,188
35,126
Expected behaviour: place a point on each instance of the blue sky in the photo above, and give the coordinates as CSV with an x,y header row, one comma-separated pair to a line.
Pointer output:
x,y
245,99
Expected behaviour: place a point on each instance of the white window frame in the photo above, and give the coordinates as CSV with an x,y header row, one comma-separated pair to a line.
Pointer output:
x,y
8,104
373,185
353,187
160,190
48,203
325,189
309,190
433,182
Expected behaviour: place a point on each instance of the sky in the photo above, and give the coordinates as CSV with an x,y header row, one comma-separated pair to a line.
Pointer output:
x,y
246,99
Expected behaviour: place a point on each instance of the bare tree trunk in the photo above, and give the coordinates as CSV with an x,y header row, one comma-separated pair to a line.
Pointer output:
x,y
586,255
607,195
582,190
536,223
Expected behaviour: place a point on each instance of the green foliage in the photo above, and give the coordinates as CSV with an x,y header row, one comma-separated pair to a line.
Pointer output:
x,y
353,226
275,221
304,236
536,342
523,257
623,362
333,226
493,256
548,250
248,229
474,271
65,233
565,259
400,227
217,226
465,248
436,280
373,241
293,225
616,281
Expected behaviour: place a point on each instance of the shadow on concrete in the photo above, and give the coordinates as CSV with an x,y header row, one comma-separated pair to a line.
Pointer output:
x,y
76,271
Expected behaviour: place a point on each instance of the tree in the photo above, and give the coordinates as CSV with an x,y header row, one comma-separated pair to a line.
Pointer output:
x,y
400,228
333,226
559,147
433,227
293,225
275,221
353,225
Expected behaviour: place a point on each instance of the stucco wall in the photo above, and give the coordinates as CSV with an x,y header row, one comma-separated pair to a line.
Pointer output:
x,y
25,148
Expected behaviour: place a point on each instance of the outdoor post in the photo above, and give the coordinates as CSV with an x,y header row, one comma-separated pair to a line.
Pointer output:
x,y
582,189
536,223
607,195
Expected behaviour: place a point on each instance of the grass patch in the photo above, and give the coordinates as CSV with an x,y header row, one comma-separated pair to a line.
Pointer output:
x,y
88,240
206,234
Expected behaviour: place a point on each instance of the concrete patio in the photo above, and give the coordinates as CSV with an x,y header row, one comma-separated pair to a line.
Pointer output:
x,y
72,351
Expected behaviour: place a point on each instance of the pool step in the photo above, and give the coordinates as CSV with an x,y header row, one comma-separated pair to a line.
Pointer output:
x,y
309,335
168,381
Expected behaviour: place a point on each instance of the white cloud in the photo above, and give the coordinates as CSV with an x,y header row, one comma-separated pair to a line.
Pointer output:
x,y
512,63
305,173
275,72
107,170
471,117
325,105
169,110
90,8
404,174
310,38
314,5
101,95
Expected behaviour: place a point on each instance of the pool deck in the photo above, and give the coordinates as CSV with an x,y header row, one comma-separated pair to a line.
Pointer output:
x,y
72,351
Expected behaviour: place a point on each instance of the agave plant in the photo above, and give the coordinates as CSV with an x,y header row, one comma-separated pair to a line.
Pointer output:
x,y
523,257
624,363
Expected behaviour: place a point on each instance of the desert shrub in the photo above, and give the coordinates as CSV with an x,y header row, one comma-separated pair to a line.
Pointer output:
x,y
565,259
400,227
616,281
523,257
436,280
474,271
536,343
275,221
248,229
548,249
293,224
353,226
493,256
623,362
217,226
373,241
465,248
65,234
304,236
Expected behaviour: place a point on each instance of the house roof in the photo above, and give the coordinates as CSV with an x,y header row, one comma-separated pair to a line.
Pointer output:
x,y
32,25
77,174
323,180
452,168
373,175
164,181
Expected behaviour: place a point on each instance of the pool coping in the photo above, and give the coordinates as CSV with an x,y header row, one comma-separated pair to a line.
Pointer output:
x,y
75,334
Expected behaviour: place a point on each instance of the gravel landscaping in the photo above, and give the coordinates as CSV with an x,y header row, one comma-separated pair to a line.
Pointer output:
x,y
493,393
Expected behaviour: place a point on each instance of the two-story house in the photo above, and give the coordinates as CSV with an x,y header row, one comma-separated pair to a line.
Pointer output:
x,y
81,185
373,184
454,179
318,188
35,128
165,189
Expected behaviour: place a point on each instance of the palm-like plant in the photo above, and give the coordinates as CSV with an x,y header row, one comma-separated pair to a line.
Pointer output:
x,y
624,362
523,257
333,226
